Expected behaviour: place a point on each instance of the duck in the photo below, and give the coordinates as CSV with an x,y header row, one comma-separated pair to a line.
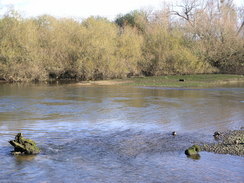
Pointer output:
x,y
216,134
174,133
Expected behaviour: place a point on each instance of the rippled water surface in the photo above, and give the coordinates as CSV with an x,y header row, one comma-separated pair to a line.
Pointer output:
x,y
118,133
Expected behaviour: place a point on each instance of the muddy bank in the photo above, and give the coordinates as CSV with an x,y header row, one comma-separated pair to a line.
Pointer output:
x,y
230,142
103,82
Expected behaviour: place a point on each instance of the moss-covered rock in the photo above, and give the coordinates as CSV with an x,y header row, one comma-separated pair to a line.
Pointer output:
x,y
193,150
23,146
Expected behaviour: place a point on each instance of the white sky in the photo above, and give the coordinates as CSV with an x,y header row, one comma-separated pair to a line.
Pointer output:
x,y
83,8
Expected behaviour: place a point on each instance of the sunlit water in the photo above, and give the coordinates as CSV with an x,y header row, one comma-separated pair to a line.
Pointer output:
x,y
117,133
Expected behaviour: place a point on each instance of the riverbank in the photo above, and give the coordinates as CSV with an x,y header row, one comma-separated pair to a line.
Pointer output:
x,y
171,81
175,81
178,81
104,82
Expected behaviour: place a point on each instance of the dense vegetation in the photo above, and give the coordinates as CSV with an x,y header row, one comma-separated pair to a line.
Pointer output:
x,y
199,38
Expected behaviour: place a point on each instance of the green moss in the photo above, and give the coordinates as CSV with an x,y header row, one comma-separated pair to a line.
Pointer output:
x,y
23,145
197,148
193,150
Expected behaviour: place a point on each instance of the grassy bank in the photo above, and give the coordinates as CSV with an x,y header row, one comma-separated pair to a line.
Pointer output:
x,y
202,80
173,81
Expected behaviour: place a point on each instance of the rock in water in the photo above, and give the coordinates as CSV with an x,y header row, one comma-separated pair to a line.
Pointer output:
x,y
193,150
23,145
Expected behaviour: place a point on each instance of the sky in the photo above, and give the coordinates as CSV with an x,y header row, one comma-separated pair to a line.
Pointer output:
x,y
83,8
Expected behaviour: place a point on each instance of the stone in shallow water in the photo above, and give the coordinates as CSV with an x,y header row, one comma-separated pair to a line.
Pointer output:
x,y
193,150
23,146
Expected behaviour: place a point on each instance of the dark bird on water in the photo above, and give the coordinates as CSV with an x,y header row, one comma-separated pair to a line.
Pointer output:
x,y
216,134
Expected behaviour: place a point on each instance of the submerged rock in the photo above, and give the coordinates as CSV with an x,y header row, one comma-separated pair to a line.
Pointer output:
x,y
23,146
193,150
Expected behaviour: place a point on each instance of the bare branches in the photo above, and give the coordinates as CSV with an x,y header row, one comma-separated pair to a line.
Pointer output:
x,y
188,7
241,27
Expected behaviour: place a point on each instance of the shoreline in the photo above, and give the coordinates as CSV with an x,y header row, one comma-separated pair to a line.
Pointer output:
x,y
170,81
174,81
103,82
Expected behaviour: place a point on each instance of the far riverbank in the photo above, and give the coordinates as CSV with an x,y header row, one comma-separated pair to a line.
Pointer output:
x,y
176,81
169,81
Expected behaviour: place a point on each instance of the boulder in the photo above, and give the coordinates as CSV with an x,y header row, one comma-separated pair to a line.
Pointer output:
x,y
193,150
23,146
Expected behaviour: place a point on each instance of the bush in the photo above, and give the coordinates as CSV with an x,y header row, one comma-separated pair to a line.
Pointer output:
x,y
137,43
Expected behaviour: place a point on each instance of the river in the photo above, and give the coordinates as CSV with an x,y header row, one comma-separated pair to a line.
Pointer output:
x,y
118,133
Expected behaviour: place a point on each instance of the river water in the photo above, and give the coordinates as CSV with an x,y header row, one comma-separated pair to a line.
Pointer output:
x,y
118,133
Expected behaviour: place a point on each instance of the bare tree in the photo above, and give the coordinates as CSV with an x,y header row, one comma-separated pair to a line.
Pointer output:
x,y
241,20
187,10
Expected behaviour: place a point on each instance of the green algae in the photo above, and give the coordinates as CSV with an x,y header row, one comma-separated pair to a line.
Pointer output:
x,y
23,146
193,150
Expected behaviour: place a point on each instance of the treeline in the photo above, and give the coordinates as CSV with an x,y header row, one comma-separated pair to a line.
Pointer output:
x,y
197,38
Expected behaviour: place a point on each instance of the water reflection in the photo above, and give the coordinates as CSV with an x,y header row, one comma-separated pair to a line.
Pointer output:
x,y
178,109
23,158
194,157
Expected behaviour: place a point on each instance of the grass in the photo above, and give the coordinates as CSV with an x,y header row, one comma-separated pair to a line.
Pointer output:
x,y
201,80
